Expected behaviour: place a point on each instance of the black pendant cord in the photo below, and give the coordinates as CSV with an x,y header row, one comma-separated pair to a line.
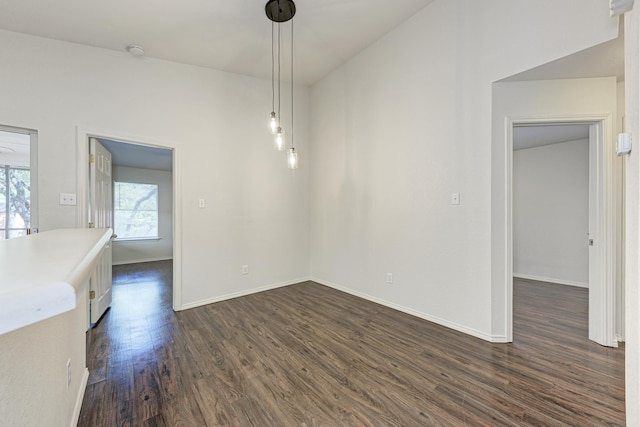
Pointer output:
x,y
292,83
279,117
273,64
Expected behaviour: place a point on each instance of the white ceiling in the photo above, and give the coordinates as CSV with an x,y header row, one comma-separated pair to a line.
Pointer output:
x,y
538,135
14,143
138,156
235,36
228,35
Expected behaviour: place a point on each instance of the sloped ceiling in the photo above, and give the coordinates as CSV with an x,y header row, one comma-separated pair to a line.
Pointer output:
x,y
228,35
538,135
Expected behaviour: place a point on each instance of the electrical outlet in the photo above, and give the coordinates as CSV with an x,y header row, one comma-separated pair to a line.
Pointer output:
x,y
68,372
201,203
389,278
245,269
68,199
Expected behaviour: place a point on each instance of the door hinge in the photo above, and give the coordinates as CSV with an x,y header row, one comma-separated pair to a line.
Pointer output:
x,y
92,294
92,158
92,225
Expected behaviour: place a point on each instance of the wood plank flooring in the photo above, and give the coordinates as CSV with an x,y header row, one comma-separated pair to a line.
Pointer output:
x,y
308,355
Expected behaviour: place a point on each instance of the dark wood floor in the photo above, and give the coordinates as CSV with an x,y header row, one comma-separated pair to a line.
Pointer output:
x,y
308,355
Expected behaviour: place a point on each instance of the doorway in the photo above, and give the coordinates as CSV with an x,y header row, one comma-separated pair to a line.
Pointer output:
x,y
601,237
551,194
552,219
589,100
134,157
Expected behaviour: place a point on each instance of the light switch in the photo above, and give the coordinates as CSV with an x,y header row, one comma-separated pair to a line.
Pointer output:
x,y
455,198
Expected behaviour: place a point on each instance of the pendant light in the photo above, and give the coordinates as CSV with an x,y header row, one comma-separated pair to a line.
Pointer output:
x,y
279,139
279,11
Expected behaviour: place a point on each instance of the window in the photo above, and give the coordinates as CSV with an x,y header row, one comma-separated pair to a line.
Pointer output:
x,y
15,195
135,211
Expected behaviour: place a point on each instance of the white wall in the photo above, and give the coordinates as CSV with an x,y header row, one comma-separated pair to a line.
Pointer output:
x,y
257,210
33,389
620,194
551,213
128,252
407,122
632,217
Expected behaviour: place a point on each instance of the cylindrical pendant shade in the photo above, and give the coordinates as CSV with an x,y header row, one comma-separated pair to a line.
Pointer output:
x,y
279,140
292,159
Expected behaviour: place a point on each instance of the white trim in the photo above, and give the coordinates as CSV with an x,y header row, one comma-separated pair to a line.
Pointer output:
x,y
602,310
177,230
415,313
138,261
83,133
551,280
79,398
243,293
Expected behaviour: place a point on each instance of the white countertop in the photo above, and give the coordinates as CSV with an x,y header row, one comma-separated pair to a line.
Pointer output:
x,y
40,274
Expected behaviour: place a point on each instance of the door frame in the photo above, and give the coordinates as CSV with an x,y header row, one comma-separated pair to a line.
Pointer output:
x,y
602,291
82,212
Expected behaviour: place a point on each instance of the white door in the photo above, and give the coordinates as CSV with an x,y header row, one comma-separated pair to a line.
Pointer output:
x,y
601,239
100,216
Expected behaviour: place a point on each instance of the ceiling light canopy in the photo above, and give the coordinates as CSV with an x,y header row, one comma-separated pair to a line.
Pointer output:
x,y
280,10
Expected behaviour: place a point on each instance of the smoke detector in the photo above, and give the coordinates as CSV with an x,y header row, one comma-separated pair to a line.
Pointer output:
x,y
135,50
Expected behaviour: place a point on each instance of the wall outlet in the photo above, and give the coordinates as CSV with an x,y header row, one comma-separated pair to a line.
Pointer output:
x,y
68,199
245,269
201,203
68,372
389,278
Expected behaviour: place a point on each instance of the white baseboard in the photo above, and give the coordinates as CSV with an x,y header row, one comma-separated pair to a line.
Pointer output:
x,y
412,312
241,293
550,280
137,261
83,387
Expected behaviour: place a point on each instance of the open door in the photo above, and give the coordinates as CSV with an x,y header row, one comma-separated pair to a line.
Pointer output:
x,y
603,210
100,216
